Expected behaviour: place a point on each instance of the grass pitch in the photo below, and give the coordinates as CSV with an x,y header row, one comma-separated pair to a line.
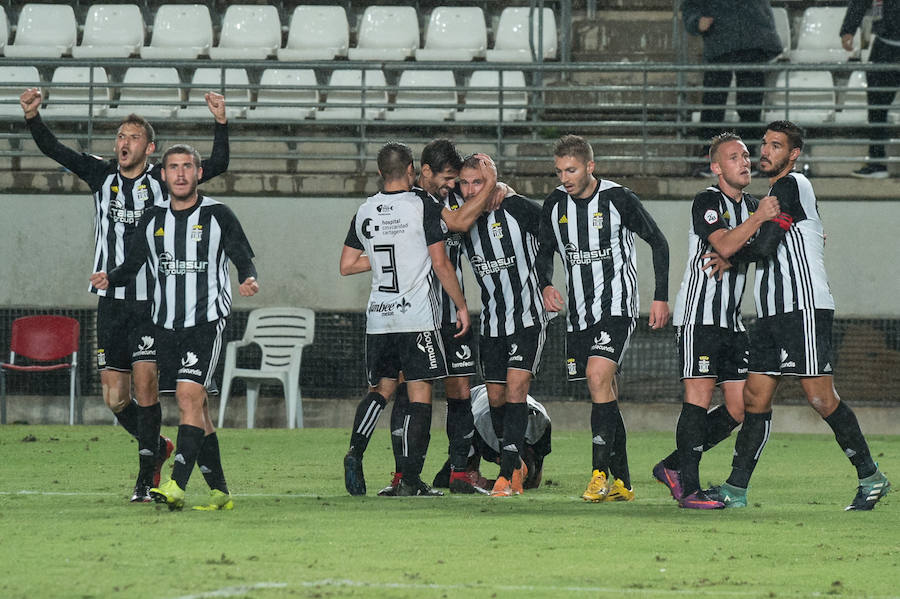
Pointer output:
x,y
67,529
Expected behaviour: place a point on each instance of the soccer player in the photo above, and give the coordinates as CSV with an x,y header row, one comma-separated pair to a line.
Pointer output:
x,y
123,189
397,234
591,223
712,340
793,334
186,246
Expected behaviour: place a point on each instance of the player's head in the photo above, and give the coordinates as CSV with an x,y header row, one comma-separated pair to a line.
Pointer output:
x,y
574,162
471,180
181,171
440,164
729,160
135,140
395,163
780,148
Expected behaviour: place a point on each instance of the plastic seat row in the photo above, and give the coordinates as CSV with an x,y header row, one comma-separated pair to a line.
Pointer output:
x,y
253,32
818,39
283,94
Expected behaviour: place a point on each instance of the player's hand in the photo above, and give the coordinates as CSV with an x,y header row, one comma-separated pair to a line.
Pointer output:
x,y
249,287
216,103
463,322
30,101
847,42
659,314
99,280
768,208
553,299
704,24
500,192
716,265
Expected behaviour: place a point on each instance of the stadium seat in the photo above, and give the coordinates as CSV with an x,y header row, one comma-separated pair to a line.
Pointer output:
x,y
783,27
111,31
277,100
48,343
281,334
237,99
819,39
180,31
154,91
347,104
44,31
419,88
316,33
67,100
484,104
249,32
13,80
852,102
811,91
4,29
511,36
387,33
454,33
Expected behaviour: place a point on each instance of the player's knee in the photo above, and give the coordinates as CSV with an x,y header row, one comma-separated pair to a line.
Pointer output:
x,y
114,398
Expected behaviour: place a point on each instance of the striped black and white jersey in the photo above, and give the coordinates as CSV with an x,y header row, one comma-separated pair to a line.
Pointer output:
x,y
502,247
705,300
188,253
794,277
119,201
454,247
395,229
595,238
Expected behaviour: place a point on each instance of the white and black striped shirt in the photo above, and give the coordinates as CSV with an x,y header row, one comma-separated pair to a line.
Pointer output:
x,y
188,253
595,238
453,245
705,300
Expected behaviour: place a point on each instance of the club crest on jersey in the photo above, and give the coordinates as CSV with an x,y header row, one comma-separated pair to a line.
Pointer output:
x,y
571,368
101,358
597,220
703,364
142,194
496,230
197,233
711,216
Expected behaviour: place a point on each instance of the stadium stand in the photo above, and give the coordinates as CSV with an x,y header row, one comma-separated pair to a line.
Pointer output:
x,y
14,79
819,38
4,29
783,27
387,33
484,101
281,96
419,89
111,31
316,33
811,91
249,32
345,98
71,96
456,33
236,90
44,31
180,31
154,92
511,42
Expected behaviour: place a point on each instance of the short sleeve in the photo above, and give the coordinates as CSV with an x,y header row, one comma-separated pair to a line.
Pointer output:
x,y
431,218
352,239
706,214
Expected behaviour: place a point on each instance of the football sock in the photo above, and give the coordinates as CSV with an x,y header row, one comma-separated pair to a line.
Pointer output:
x,y
748,447
848,435
514,423
367,413
209,460
398,413
415,439
719,425
128,418
618,457
188,443
497,416
604,422
689,436
148,423
460,430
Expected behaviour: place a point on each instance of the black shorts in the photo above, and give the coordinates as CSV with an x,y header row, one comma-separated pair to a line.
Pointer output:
x,y
189,354
519,351
608,339
797,344
460,351
709,351
420,356
125,333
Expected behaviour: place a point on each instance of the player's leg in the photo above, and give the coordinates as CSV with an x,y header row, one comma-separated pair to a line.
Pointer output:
x,y
398,413
209,461
460,424
690,432
515,421
600,374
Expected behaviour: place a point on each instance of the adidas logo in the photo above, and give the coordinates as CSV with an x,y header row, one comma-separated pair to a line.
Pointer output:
x,y
397,433
598,440
179,458
510,447
205,470
698,449
563,220
145,452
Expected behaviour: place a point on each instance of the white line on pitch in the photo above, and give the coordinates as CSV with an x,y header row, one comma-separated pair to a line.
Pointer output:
x,y
235,591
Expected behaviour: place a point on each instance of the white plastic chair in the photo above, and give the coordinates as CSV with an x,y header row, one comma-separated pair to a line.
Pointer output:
x,y
783,28
817,97
316,33
142,84
819,39
511,37
249,32
180,31
853,102
111,31
13,80
337,100
237,99
484,104
275,102
4,29
44,31
454,33
76,101
413,91
281,334
387,33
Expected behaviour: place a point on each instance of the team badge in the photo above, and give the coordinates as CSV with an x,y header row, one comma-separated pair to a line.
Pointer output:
x,y
597,220
101,358
703,364
142,194
711,216
197,233
570,366
496,230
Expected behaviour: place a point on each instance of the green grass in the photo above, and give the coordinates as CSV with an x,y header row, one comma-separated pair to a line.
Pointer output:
x,y
67,529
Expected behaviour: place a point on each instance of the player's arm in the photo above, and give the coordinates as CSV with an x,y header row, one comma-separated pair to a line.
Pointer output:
x,y
772,232
238,249
353,260
462,219
712,227
136,253
543,262
446,274
636,218
217,163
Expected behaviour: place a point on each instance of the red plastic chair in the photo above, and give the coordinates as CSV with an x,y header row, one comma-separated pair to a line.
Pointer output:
x,y
43,339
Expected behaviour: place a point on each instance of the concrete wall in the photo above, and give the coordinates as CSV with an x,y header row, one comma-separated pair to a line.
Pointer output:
x,y
46,244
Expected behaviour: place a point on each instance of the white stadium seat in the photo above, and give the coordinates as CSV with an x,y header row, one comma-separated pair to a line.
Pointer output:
x,y
143,86
111,31
511,37
343,104
205,79
783,27
317,33
180,31
75,101
387,33
249,32
277,100
417,88
14,80
4,29
44,31
853,102
813,90
454,33
819,39
484,105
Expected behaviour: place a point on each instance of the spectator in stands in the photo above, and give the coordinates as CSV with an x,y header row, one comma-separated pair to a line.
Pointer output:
x,y
734,32
885,49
